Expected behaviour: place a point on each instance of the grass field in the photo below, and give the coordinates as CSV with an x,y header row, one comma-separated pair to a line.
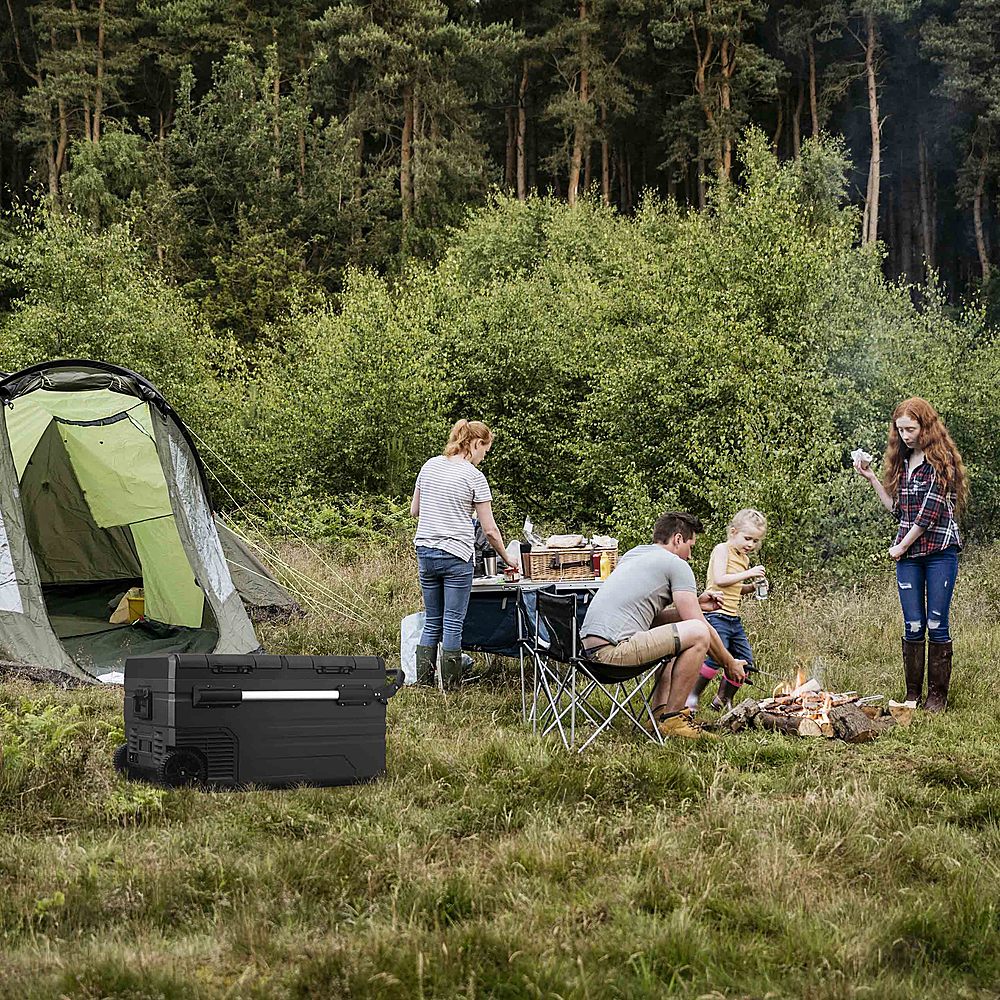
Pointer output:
x,y
489,864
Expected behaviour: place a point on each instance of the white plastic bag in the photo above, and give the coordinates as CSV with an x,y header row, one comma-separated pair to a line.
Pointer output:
x,y
409,637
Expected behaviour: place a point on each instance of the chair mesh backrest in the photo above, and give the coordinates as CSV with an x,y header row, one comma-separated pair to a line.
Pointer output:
x,y
557,614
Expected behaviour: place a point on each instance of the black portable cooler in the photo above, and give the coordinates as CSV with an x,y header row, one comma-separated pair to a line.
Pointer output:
x,y
229,721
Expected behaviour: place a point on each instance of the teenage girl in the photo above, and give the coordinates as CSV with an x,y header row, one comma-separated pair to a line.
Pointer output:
x,y
925,486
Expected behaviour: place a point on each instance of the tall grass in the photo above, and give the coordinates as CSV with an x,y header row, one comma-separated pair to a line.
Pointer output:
x,y
490,864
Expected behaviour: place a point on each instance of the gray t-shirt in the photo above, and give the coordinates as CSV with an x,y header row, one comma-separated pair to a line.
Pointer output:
x,y
642,585
449,492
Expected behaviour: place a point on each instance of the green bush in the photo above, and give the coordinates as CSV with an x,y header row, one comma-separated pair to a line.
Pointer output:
x,y
705,360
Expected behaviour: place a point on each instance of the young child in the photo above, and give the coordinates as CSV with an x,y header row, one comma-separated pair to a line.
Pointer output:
x,y
729,570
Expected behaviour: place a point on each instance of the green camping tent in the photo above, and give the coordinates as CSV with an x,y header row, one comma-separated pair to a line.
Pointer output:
x,y
102,489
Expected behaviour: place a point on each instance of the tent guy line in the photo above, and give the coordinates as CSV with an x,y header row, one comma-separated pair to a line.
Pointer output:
x,y
205,446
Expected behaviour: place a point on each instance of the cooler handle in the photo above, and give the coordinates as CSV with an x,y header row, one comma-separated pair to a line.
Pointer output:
x,y
384,694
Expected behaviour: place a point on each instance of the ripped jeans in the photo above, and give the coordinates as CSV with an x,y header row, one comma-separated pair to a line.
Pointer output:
x,y
925,588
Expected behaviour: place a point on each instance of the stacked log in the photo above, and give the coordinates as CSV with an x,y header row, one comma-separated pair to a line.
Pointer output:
x,y
813,713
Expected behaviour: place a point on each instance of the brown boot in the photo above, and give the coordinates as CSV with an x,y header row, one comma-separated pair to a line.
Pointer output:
x,y
913,669
938,676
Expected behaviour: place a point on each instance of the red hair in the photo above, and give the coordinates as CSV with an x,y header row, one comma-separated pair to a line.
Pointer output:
x,y
464,435
939,451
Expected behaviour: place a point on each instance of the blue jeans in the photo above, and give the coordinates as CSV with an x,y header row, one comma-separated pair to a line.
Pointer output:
x,y
447,584
733,637
926,584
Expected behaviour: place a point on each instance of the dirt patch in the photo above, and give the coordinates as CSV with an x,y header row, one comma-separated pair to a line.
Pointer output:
x,y
41,675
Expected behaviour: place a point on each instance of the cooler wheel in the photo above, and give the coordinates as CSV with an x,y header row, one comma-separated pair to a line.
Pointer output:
x,y
182,767
120,760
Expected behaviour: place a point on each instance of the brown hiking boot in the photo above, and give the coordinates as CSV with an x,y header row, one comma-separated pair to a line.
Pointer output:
x,y
682,725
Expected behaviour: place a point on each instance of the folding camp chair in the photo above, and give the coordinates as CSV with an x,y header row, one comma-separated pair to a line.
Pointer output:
x,y
567,683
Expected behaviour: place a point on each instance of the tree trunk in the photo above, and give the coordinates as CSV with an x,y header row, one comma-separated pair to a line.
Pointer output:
x,y
510,159
576,158
276,105
905,236
87,126
522,133
405,156
926,222
531,155
813,101
63,142
57,161
875,166
605,158
300,183
416,155
776,138
977,212
727,54
797,122
50,156
359,138
702,195
99,78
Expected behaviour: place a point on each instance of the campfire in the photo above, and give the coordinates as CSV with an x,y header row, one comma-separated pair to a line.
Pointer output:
x,y
803,708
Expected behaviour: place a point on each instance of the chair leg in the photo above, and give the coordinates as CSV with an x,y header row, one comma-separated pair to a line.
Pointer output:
x,y
620,706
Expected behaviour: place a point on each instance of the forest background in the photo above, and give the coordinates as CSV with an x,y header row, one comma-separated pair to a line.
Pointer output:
x,y
676,253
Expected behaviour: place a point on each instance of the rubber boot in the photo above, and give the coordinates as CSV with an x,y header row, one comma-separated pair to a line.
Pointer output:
x,y
724,699
913,669
426,657
938,676
698,690
451,669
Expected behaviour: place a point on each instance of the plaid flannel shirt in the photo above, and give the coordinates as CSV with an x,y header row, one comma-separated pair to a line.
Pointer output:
x,y
921,501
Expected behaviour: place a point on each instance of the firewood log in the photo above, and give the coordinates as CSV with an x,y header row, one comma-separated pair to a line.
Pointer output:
x,y
901,712
852,725
794,726
740,716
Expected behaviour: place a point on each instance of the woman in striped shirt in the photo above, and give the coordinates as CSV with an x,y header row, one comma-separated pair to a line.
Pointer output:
x,y
450,489
925,487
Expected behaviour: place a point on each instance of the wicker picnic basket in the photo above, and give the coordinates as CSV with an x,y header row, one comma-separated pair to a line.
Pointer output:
x,y
563,564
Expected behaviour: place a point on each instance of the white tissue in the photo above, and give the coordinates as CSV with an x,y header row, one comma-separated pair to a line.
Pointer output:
x,y
860,455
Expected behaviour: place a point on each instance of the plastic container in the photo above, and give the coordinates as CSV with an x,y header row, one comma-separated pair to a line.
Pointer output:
x,y
605,564
136,608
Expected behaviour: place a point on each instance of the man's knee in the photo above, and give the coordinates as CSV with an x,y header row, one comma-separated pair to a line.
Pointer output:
x,y
693,635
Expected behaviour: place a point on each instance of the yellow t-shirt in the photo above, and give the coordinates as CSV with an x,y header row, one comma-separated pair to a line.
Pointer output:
x,y
736,562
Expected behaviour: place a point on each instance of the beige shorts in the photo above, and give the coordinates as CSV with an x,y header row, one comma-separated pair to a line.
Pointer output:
x,y
660,643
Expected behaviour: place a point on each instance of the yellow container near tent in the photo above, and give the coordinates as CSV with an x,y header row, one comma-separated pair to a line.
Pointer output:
x,y
136,608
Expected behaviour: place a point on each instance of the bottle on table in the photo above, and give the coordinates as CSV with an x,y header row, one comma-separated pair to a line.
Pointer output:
x,y
605,564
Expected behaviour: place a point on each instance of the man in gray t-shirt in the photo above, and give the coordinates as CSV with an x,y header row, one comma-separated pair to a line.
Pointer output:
x,y
649,609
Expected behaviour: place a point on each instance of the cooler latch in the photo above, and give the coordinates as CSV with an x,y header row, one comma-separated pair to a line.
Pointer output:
x,y
142,703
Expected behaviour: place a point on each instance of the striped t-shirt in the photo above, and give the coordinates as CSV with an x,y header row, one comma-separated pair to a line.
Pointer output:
x,y
449,491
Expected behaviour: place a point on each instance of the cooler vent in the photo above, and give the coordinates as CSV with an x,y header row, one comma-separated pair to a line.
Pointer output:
x,y
219,749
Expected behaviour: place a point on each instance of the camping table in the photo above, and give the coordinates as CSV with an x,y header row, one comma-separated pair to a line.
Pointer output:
x,y
501,615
